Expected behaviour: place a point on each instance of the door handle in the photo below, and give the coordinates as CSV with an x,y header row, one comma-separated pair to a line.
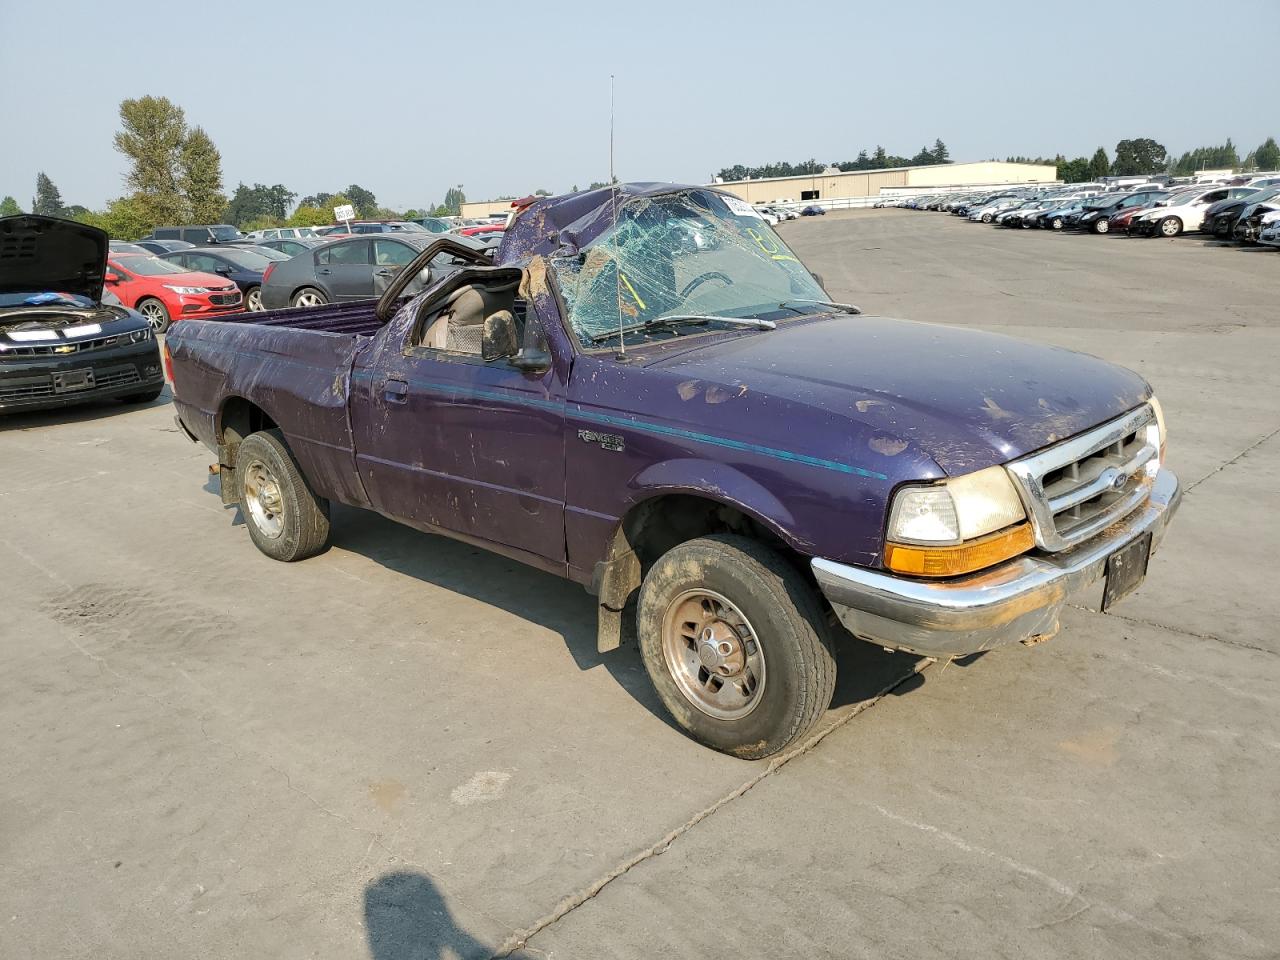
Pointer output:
x,y
322,273
382,273
395,391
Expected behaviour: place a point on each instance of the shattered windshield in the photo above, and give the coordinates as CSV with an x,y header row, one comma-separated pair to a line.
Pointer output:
x,y
692,252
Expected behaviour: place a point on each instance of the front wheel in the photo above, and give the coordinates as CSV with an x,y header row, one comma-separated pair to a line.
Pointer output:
x,y
1057,223
155,313
735,642
987,218
286,520
1170,227
1101,226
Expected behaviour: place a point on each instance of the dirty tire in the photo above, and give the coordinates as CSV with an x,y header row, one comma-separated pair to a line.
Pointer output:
x,y
146,396
305,516
788,620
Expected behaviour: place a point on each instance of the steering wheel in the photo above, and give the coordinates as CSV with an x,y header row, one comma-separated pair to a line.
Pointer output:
x,y
702,278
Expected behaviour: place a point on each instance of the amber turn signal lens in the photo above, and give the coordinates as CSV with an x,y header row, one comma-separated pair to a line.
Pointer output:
x,y
961,558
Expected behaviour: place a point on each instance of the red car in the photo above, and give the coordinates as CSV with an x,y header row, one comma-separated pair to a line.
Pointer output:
x,y
164,292
482,230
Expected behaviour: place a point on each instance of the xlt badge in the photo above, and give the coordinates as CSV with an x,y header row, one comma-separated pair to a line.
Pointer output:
x,y
609,441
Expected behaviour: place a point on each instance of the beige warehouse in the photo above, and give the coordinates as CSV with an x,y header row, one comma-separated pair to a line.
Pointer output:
x,y
856,184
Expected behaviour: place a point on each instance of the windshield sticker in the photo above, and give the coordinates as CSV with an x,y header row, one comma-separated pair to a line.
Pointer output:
x,y
740,208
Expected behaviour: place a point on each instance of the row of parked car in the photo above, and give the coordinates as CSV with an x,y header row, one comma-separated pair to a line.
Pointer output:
x,y
1246,211
206,270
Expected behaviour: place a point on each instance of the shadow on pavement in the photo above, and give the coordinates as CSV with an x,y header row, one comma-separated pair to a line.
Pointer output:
x,y
78,413
406,918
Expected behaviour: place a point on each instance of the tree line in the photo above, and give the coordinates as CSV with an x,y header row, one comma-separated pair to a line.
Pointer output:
x,y
878,159
1144,157
175,177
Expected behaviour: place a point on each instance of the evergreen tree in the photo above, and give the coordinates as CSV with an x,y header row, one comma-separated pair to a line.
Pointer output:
x,y
1267,156
48,199
940,152
1099,165
200,178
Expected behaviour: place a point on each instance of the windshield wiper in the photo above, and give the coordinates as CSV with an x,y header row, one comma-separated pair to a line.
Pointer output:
x,y
675,319
846,307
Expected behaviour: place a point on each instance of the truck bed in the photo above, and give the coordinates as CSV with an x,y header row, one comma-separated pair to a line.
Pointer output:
x,y
355,318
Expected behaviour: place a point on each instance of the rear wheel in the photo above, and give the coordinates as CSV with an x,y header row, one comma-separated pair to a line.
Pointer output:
x,y
736,644
253,299
309,297
1170,227
155,312
286,520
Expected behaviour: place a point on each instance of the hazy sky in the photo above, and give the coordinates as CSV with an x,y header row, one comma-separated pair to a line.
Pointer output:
x,y
406,98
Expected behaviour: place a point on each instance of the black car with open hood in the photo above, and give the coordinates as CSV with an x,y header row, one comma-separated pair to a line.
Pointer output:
x,y
62,340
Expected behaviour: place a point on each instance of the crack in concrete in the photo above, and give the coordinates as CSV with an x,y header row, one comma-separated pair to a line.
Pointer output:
x,y
519,940
1239,456
1182,631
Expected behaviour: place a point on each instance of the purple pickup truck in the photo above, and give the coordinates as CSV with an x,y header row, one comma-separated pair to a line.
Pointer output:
x,y
647,392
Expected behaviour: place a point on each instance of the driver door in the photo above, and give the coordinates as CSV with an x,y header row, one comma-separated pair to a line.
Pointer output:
x,y
446,440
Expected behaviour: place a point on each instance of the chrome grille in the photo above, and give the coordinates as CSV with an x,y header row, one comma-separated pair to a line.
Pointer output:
x,y
1079,487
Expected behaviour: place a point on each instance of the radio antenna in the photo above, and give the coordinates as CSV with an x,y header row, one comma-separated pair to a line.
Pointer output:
x,y
613,203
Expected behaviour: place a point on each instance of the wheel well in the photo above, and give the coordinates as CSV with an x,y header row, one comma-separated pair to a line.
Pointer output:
x,y
654,526
239,418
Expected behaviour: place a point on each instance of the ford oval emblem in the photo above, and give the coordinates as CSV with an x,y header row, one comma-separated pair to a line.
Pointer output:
x,y
1119,480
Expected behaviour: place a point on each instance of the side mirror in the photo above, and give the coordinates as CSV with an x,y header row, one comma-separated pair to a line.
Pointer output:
x,y
111,277
499,338
529,360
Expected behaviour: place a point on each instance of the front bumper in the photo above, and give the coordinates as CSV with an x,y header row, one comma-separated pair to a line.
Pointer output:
x,y
1015,601
34,383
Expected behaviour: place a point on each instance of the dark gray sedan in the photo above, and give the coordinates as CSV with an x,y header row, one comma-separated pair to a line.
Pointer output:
x,y
355,268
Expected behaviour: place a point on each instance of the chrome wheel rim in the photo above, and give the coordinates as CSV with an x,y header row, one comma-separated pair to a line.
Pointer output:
x,y
307,300
262,497
154,314
255,300
1103,226
713,654
1169,228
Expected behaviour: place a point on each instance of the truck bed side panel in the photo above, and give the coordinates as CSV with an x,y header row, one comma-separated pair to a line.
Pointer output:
x,y
299,377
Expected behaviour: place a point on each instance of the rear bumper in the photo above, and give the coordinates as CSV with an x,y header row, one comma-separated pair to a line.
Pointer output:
x,y
33,383
1016,601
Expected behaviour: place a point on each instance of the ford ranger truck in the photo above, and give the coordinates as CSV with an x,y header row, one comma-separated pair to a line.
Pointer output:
x,y
648,393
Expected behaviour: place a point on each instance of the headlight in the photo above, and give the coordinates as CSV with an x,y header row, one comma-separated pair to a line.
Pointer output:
x,y
1161,435
137,336
958,526
177,289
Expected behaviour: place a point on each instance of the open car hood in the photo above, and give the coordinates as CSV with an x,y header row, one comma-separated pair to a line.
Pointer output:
x,y
45,254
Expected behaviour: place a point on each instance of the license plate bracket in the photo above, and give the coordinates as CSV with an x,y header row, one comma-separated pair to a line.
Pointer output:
x,y
69,381
1126,569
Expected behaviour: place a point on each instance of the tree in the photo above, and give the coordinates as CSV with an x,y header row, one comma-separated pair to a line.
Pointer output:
x,y
1074,171
1138,157
260,202
923,158
454,198
125,218
363,200
152,137
1099,166
9,207
308,215
200,177
48,199
1267,156
940,152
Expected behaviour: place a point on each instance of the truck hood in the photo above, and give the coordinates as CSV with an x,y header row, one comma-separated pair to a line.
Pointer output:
x,y
39,254
964,398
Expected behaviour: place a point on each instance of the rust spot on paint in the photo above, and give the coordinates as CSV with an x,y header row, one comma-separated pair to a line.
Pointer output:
x,y
888,446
